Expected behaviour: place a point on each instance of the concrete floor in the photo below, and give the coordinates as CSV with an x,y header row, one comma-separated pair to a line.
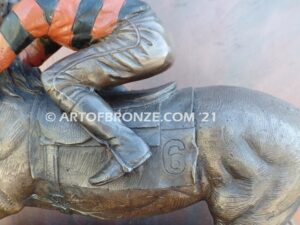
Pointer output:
x,y
249,43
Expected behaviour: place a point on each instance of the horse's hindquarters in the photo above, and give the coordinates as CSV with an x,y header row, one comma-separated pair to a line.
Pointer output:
x,y
250,155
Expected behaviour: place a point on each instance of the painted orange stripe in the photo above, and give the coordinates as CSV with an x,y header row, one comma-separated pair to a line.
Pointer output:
x,y
107,18
63,19
31,17
7,55
34,54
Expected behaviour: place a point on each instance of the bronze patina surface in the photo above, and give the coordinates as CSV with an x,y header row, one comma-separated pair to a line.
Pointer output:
x,y
178,148
245,163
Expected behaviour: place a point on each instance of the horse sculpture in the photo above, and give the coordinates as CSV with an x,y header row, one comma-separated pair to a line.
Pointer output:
x,y
240,153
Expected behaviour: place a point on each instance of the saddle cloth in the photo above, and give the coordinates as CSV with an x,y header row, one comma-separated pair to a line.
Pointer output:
x,y
68,155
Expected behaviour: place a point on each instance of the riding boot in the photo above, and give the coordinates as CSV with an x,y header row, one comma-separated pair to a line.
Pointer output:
x,y
129,150
112,171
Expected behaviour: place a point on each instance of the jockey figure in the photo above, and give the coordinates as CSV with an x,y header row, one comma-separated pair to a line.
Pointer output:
x,y
116,42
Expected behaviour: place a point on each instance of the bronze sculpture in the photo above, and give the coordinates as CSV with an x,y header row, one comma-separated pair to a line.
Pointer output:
x,y
118,41
244,162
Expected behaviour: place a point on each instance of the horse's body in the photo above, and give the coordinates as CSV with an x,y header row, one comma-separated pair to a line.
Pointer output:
x,y
243,157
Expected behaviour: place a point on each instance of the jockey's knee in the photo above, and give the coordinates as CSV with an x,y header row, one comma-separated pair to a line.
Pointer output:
x,y
160,57
165,57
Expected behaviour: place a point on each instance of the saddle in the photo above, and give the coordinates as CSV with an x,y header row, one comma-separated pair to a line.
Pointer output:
x,y
68,155
63,132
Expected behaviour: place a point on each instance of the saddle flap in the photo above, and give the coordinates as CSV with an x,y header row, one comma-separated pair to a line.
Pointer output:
x,y
174,160
177,112
173,164
56,129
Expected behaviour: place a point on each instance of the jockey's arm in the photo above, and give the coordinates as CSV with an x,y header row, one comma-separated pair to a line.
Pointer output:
x,y
21,27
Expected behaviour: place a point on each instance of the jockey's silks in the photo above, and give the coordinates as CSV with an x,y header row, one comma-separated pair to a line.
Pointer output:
x,y
71,23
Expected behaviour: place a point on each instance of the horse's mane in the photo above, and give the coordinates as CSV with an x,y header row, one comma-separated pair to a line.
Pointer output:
x,y
20,79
